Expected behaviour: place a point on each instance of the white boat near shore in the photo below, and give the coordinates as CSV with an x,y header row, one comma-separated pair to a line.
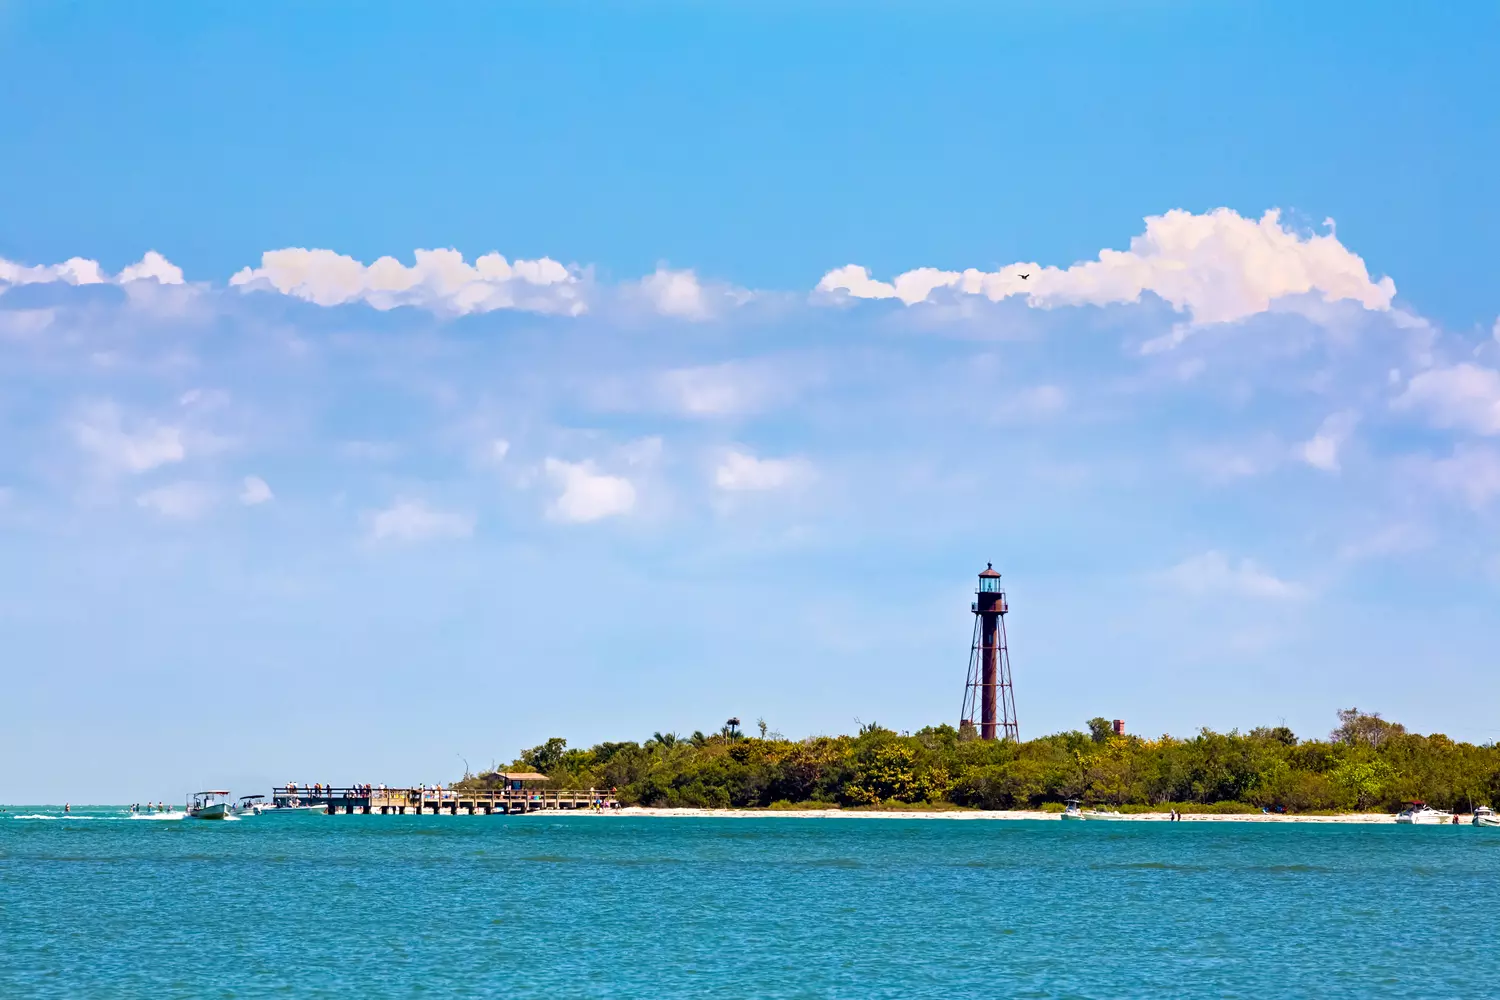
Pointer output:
x,y
1485,816
1422,814
1075,811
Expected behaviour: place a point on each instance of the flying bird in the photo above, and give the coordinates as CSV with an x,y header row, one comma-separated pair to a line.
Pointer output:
x,y
1025,276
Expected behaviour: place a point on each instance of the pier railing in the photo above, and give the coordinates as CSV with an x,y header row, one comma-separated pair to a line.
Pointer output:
x,y
382,800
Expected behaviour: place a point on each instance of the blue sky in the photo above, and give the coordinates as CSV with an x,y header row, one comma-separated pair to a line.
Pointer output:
x,y
719,381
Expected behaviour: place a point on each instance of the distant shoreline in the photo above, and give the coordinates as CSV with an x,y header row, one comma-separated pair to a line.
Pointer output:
x,y
1008,814
84,812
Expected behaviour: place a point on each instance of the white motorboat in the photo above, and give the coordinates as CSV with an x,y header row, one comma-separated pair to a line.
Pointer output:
x,y
250,805
1485,816
209,805
1075,810
297,805
1101,814
1422,814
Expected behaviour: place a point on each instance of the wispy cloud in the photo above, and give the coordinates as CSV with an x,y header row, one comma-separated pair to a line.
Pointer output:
x,y
1322,450
101,431
182,500
1471,472
1464,397
1387,540
371,451
1212,573
409,520
1220,464
254,491
729,389
740,472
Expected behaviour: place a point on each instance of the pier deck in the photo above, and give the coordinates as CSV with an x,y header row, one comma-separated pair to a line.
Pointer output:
x,y
375,800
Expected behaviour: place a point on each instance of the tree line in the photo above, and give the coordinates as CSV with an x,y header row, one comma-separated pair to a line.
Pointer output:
x,y
1366,763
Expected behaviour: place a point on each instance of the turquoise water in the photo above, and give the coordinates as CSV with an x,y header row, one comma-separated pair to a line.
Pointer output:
x,y
354,906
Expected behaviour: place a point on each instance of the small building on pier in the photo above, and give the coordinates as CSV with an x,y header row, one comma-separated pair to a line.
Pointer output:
x,y
516,781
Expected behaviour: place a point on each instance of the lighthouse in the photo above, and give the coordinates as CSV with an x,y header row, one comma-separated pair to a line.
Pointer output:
x,y
988,692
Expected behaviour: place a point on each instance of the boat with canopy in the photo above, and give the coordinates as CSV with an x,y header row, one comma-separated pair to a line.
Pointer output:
x,y
209,805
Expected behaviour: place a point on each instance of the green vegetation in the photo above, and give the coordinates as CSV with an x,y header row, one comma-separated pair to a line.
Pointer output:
x,y
1366,763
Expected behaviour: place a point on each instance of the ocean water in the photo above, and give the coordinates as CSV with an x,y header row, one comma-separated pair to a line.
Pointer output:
x,y
101,905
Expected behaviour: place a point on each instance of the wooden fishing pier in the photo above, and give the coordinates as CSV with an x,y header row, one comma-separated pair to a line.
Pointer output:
x,y
520,793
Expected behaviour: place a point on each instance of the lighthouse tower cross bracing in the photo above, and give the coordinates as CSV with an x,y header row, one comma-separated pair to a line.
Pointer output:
x,y
988,692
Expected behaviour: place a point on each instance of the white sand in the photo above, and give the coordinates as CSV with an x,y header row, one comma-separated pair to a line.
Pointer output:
x,y
1001,814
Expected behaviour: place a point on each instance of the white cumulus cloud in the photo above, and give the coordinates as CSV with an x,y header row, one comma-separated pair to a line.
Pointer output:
x,y
1463,397
740,472
675,293
409,520
682,294
152,265
439,280
1217,267
1211,573
1322,450
253,491
587,494
82,271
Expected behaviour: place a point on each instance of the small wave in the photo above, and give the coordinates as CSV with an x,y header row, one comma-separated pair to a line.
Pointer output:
x,y
70,818
1156,866
159,816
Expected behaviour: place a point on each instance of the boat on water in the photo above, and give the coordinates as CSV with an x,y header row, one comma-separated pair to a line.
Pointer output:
x,y
1422,814
297,805
209,805
1485,816
250,805
1075,810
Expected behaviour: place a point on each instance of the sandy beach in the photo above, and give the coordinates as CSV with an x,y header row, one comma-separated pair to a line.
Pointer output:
x,y
1001,815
